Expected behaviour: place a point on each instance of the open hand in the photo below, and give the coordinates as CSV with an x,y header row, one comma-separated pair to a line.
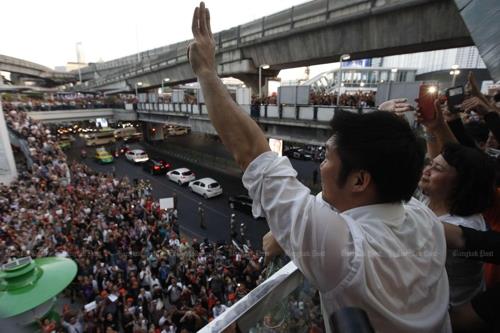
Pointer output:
x,y
201,51
398,106
475,104
437,121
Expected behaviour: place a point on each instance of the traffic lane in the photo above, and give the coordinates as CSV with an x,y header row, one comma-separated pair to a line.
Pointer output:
x,y
217,211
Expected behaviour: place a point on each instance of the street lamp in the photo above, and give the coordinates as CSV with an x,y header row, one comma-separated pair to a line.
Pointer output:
x,y
264,66
454,72
137,84
163,81
342,57
78,59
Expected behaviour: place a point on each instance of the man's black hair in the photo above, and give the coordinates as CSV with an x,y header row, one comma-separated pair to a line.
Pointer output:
x,y
474,188
382,144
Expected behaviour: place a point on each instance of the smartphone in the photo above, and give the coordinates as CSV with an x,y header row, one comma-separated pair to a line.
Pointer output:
x,y
428,93
455,97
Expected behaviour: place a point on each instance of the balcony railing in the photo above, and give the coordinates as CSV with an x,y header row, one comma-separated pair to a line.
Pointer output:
x,y
282,302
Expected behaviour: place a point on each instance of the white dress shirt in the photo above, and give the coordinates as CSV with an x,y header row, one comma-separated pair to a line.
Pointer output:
x,y
388,259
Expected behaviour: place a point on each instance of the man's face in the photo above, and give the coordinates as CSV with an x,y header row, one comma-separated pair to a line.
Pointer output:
x,y
330,171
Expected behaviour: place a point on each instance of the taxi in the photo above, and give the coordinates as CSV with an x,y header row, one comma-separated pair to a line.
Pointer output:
x,y
103,156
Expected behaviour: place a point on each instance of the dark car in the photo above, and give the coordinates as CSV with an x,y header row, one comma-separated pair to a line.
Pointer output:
x,y
241,202
299,154
156,167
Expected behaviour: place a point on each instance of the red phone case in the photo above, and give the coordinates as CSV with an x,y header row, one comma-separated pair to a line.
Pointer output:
x,y
426,100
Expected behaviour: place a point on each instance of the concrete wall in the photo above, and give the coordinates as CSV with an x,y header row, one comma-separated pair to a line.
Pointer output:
x,y
8,170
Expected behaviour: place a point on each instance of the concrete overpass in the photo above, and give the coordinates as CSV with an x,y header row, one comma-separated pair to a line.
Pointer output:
x,y
307,124
22,70
312,33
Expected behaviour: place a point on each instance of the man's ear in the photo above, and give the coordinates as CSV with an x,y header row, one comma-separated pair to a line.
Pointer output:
x,y
360,180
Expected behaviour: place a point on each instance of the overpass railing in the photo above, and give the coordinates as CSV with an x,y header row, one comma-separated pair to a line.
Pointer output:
x,y
317,113
283,302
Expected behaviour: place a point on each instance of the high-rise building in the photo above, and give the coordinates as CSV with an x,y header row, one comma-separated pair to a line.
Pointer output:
x,y
80,56
464,57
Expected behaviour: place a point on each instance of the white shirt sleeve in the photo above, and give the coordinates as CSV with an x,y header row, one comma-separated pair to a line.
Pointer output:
x,y
315,237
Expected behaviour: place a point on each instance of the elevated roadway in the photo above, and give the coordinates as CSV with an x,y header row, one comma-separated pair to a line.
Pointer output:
x,y
26,69
315,32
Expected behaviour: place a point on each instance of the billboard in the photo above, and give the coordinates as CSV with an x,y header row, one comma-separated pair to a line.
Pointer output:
x,y
101,122
276,145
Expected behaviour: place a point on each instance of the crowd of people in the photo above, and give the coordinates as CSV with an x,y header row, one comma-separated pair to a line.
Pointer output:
x,y
53,102
352,100
132,260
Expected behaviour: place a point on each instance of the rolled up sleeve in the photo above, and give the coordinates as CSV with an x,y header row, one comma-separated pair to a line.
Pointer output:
x,y
309,231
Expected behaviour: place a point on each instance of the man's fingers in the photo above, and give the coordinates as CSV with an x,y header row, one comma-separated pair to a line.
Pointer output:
x,y
202,18
209,28
195,24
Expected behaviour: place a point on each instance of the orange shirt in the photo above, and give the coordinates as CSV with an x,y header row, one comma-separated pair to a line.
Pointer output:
x,y
492,217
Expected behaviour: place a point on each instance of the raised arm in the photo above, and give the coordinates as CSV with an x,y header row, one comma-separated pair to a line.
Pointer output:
x,y
437,131
239,133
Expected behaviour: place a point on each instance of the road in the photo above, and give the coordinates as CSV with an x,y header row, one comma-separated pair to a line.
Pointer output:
x,y
217,211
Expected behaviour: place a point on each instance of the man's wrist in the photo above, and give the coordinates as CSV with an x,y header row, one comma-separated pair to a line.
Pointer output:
x,y
206,73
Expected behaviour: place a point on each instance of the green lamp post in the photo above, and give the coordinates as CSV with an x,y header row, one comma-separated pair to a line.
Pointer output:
x,y
28,287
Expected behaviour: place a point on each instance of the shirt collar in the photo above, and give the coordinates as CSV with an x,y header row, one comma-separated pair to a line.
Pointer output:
x,y
391,214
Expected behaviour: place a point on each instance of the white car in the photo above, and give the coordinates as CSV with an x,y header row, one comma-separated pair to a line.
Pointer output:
x,y
137,156
206,187
181,176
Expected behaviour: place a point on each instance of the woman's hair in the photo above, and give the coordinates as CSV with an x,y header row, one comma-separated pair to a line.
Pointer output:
x,y
474,188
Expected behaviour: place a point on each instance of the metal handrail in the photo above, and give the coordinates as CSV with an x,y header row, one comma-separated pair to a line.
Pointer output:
x,y
251,308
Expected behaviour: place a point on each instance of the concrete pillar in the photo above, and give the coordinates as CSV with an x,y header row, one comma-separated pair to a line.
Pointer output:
x,y
154,132
252,80
8,171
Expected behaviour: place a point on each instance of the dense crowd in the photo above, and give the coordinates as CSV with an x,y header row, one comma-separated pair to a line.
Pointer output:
x,y
124,245
354,100
53,102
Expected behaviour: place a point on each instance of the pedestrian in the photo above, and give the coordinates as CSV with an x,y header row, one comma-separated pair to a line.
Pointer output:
x,y
242,232
174,196
232,226
201,212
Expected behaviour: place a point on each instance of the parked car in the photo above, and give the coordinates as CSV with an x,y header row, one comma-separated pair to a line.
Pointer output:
x,y
103,156
181,176
206,187
156,167
241,202
136,156
299,154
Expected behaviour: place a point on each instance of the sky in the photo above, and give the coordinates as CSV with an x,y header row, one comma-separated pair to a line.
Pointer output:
x,y
46,31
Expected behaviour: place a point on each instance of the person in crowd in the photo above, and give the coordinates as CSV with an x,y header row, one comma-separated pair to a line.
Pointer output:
x,y
357,241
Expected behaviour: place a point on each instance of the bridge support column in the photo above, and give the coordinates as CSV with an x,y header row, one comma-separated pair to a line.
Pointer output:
x,y
8,171
252,80
154,132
